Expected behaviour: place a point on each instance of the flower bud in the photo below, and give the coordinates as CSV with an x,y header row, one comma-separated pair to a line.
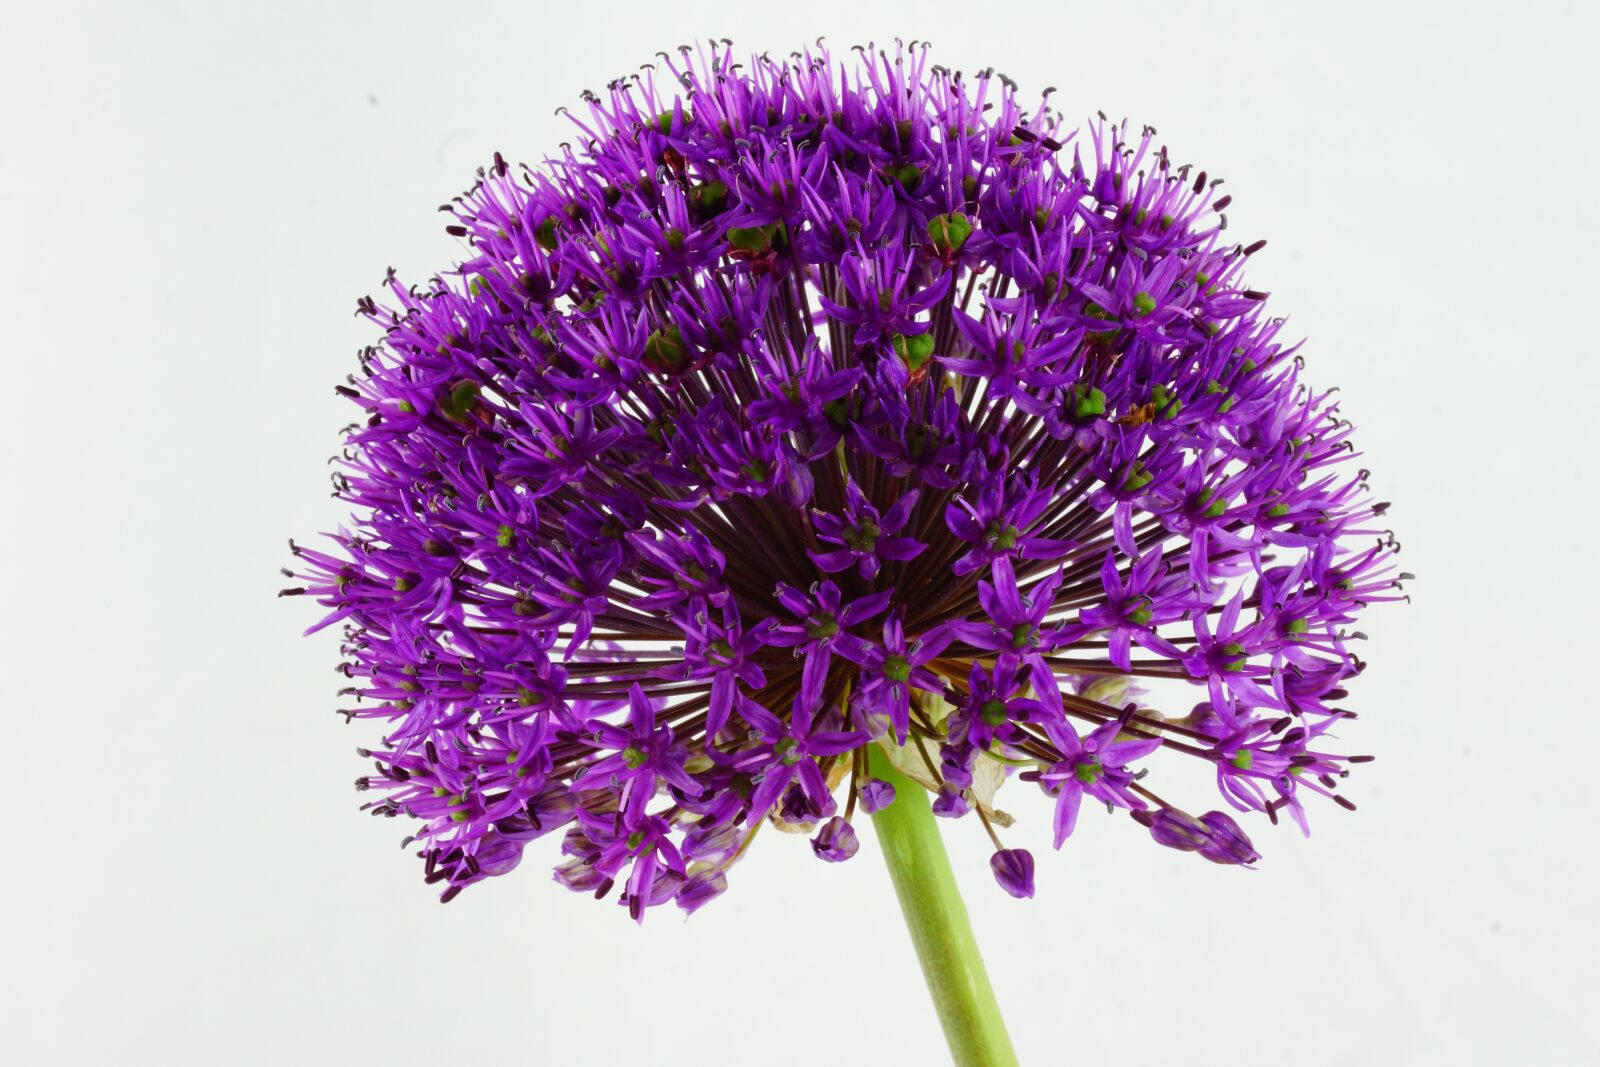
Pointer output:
x,y
497,854
876,794
1173,828
1214,835
715,844
580,876
1013,869
1227,843
950,804
836,841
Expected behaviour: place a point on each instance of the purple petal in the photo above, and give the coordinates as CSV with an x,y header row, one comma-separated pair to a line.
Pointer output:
x,y
899,548
723,688
835,561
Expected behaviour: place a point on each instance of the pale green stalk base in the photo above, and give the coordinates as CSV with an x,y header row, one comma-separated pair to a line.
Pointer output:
x,y
937,919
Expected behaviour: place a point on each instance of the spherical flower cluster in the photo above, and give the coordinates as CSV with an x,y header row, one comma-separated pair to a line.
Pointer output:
x,y
807,406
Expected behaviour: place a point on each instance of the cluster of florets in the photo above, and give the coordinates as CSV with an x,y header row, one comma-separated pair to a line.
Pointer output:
x,y
805,407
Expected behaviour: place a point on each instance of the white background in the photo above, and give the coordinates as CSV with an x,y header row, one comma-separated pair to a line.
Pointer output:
x,y
193,198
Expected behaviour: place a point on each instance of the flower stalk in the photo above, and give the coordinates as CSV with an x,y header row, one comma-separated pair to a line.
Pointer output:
x,y
936,917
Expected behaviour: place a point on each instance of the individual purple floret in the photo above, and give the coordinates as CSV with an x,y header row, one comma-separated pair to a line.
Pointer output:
x,y
868,538
1013,869
799,406
1215,835
836,841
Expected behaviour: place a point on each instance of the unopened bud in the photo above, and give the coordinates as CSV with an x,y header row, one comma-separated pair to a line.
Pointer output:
x,y
836,841
1013,869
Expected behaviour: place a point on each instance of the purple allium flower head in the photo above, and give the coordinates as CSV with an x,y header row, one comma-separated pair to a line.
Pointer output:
x,y
800,406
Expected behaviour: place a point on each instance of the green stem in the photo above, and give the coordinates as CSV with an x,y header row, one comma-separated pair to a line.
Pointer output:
x,y
937,919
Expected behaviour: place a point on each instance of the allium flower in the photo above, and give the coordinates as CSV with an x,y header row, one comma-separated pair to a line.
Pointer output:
x,y
1013,869
803,413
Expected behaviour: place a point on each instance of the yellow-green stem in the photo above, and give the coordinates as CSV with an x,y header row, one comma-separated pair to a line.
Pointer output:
x,y
936,916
